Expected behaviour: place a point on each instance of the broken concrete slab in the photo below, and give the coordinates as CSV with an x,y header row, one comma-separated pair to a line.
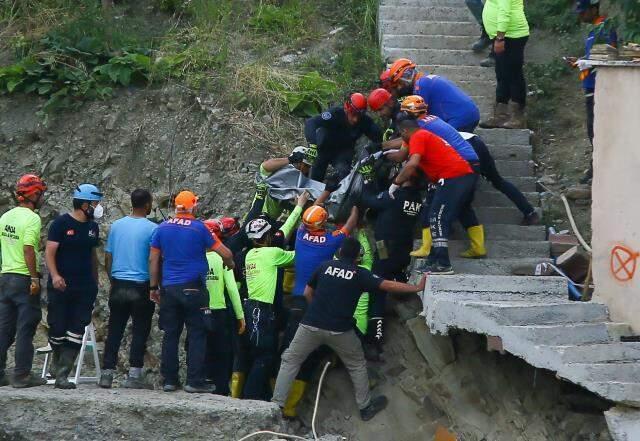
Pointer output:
x,y
437,350
624,423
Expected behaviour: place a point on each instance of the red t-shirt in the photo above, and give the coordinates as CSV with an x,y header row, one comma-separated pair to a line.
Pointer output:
x,y
438,160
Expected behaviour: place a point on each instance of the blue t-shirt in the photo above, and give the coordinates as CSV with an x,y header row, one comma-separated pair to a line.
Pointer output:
x,y
443,130
184,243
311,251
128,242
447,101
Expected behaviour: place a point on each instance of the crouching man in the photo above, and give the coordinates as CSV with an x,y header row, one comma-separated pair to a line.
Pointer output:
x,y
333,292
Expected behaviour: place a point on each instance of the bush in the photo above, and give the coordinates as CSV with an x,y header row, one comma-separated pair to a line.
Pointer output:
x,y
555,15
285,22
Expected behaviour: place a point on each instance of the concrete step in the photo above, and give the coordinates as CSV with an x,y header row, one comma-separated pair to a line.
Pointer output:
x,y
542,314
523,183
497,199
500,249
422,3
428,13
621,393
515,168
422,27
428,41
498,215
464,57
497,284
625,372
491,266
460,73
505,136
506,232
600,353
478,88
512,152
567,334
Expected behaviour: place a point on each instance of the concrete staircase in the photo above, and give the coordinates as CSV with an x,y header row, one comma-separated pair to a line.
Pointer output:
x,y
530,316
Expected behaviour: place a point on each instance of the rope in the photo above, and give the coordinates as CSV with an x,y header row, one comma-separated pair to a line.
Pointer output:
x,y
315,408
567,208
313,419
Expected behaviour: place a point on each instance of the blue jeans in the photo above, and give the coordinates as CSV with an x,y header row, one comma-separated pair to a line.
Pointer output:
x,y
182,305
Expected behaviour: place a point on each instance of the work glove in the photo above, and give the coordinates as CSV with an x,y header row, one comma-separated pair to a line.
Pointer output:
x,y
296,158
366,171
261,191
392,189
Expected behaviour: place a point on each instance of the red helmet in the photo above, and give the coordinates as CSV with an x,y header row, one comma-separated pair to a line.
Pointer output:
x,y
385,79
356,103
230,226
378,98
29,186
215,227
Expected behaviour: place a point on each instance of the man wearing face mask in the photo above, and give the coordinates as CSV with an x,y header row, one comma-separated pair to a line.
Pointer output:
x,y
127,264
73,278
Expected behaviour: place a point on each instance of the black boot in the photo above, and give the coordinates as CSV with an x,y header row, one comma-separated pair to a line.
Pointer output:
x,y
376,405
28,380
55,361
65,366
481,43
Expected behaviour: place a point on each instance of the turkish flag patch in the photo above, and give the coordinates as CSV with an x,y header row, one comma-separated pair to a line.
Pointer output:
x,y
70,232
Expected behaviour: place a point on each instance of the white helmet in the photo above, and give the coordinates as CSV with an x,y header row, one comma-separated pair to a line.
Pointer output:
x,y
257,228
309,154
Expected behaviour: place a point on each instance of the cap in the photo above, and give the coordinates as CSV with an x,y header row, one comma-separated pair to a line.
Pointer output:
x,y
186,200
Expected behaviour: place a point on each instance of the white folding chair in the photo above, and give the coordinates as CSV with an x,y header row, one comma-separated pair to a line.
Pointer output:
x,y
88,343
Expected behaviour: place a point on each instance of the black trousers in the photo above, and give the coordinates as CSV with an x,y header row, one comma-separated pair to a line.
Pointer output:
x,y
392,268
69,312
511,85
182,305
219,354
339,159
451,201
490,172
128,300
256,351
20,314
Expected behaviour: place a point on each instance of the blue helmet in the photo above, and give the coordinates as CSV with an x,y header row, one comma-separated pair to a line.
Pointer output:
x,y
87,192
583,5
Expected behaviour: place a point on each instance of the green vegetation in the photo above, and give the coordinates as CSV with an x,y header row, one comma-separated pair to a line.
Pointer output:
x,y
68,51
630,18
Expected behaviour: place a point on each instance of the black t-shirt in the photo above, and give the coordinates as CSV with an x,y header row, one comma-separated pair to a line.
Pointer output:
x,y
77,240
338,286
396,217
337,133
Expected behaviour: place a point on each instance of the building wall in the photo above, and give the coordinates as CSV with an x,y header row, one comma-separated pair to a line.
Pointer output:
x,y
616,193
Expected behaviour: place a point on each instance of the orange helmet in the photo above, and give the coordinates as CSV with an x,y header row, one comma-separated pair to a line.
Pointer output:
x,y
378,98
185,201
314,217
356,103
214,226
399,68
414,105
29,186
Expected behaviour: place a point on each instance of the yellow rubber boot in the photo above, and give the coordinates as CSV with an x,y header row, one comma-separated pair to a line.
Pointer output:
x,y
237,384
476,249
425,249
295,395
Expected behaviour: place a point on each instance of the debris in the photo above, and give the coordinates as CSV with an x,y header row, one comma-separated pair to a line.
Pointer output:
x,y
578,192
575,263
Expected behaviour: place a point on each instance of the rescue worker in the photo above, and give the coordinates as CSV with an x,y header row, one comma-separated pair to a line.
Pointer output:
x,y
20,310
473,149
445,100
395,221
180,245
333,292
314,245
258,345
455,184
127,264
334,134
73,278
601,31
221,286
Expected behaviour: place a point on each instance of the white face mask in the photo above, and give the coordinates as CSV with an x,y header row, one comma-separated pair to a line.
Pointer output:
x,y
98,211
